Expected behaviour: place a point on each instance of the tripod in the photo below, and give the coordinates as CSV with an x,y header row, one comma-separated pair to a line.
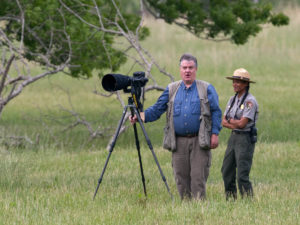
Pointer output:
x,y
134,111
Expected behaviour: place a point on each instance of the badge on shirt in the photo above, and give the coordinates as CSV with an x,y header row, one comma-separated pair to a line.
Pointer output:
x,y
242,106
249,105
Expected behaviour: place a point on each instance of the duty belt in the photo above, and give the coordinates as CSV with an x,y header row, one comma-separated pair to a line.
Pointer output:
x,y
240,132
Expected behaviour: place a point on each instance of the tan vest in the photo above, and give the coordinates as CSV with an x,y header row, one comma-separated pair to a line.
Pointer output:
x,y
205,117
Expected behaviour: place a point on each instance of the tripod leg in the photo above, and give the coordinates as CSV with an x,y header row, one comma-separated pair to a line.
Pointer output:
x,y
151,148
111,147
137,143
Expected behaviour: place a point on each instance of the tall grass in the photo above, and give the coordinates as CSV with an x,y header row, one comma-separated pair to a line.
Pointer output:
x,y
56,187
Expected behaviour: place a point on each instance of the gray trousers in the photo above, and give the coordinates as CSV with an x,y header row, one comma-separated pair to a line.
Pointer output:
x,y
238,159
191,167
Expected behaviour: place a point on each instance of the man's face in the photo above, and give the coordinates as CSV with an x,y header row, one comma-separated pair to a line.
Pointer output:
x,y
188,71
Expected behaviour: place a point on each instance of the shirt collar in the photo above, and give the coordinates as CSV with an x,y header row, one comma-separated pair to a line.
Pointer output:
x,y
182,85
239,98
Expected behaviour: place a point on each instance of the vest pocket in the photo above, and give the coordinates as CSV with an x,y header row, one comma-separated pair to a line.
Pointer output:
x,y
205,107
204,132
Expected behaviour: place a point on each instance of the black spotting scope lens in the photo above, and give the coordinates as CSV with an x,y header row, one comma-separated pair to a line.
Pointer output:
x,y
115,82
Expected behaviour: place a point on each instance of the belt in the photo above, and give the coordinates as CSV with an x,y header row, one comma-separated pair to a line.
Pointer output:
x,y
187,135
240,132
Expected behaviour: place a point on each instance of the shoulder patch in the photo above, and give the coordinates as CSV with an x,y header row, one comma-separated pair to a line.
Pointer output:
x,y
249,105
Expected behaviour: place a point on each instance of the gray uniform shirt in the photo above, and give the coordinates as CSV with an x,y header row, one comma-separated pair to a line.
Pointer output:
x,y
248,109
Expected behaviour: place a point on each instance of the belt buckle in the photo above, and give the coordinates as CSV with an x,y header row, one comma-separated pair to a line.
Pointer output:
x,y
188,135
191,135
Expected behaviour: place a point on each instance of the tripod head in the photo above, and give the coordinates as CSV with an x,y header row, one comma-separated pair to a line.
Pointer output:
x,y
135,98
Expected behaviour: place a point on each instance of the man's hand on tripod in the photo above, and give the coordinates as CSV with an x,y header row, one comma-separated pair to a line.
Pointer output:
x,y
134,119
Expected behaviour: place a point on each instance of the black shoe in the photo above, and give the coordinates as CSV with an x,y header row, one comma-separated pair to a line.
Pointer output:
x,y
231,195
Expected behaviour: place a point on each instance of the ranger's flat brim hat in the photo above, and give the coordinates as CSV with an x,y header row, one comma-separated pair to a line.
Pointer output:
x,y
241,74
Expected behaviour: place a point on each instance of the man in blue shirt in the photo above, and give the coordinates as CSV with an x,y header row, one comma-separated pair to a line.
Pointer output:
x,y
190,162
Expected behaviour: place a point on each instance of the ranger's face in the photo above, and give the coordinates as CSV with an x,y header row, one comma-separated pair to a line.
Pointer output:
x,y
239,86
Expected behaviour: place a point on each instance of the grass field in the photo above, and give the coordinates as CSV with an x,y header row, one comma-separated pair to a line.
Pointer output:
x,y
53,182
56,187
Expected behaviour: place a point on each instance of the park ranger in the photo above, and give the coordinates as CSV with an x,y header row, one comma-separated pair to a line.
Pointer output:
x,y
240,116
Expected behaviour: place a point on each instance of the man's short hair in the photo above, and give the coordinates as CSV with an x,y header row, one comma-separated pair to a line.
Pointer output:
x,y
188,57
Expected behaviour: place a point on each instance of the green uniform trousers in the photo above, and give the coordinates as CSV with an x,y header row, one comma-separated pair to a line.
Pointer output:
x,y
191,167
238,157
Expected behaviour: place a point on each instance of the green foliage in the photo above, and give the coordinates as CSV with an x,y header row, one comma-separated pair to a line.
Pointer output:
x,y
48,23
45,22
279,20
237,20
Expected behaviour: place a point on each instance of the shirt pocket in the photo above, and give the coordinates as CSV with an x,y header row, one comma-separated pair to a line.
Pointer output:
x,y
195,106
239,113
177,108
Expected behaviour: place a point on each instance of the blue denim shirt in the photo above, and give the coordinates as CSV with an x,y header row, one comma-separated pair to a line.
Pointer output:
x,y
187,109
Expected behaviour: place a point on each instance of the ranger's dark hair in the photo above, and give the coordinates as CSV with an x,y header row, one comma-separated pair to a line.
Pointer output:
x,y
188,57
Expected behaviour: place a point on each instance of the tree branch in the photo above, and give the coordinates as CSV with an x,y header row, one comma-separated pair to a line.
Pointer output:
x,y
4,76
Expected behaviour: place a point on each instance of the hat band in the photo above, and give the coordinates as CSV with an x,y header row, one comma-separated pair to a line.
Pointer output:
x,y
241,78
